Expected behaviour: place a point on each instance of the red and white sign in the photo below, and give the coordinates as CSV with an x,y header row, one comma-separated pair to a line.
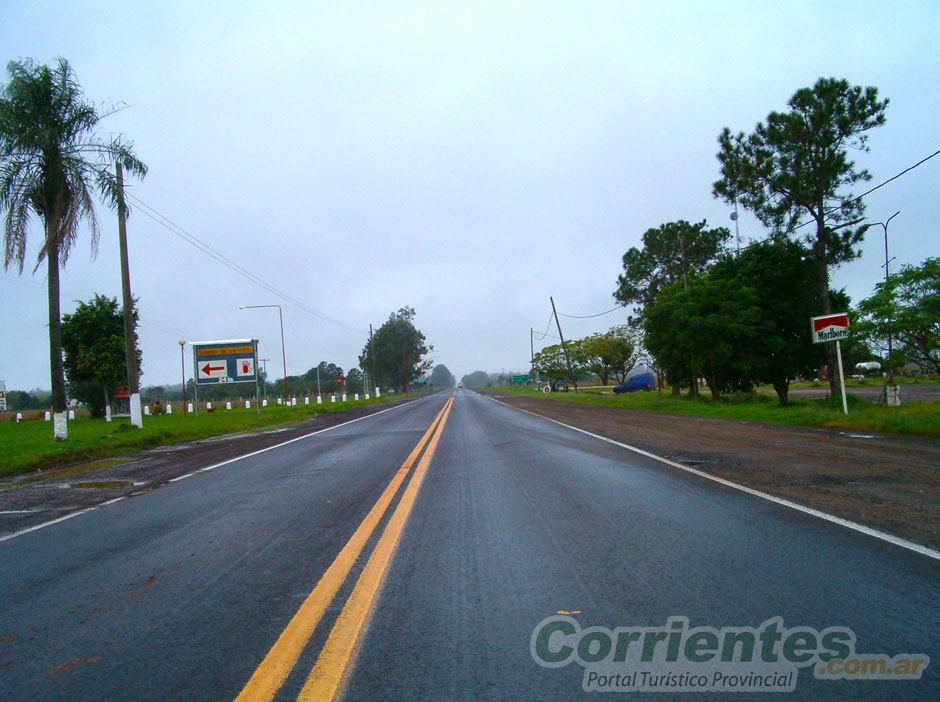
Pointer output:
x,y
831,327
212,369
245,366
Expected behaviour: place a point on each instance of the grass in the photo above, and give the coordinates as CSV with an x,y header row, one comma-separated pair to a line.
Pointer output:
x,y
29,445
913,418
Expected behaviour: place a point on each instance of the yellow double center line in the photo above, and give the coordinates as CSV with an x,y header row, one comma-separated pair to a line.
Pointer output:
x,y
327,673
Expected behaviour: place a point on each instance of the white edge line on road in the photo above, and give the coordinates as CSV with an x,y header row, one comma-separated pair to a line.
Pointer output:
x,y
855,526
201,470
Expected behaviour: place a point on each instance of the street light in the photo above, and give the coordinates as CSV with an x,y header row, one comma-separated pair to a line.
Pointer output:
x,y
283,352
884,225
183,368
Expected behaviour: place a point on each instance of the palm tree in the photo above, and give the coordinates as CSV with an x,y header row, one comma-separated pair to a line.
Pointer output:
x,y
51,161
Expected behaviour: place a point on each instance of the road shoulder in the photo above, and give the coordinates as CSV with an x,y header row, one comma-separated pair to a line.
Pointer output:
x,y
888,482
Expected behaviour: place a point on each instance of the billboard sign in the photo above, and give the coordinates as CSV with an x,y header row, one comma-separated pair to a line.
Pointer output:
x,y
232,361
831,327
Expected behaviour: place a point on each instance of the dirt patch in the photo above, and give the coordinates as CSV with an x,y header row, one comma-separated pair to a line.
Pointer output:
x,y
885,481
38,497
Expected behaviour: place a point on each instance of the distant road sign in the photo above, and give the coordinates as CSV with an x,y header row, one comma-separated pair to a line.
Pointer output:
x,y
339,380
830,327
232,361
520,378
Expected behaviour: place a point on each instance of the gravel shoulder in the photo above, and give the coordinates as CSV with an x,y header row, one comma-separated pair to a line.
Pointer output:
x,y
888,482
41,496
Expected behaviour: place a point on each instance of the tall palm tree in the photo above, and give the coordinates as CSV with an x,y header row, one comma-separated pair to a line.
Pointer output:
x,y
51,161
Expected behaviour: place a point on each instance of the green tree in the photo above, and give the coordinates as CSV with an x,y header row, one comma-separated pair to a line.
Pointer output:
x,y
908,306
442,378
781,275
354,381
398,349
476,379
51,161
550,362
612,353
93,344
715,315
797,164
670,252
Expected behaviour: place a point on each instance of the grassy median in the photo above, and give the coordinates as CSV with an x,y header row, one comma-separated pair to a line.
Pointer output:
x,y
914,418
29,445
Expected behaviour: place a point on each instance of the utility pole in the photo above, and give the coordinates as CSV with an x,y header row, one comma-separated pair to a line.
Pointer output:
x,y
375,377
130,337
564,347
693,380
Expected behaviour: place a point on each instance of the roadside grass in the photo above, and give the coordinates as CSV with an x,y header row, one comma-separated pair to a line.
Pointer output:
x,y
29,445
914,418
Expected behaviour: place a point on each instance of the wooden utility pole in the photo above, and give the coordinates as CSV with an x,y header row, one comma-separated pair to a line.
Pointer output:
x,y
564,347
130,337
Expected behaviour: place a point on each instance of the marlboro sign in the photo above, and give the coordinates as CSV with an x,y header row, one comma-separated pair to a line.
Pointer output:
x,y
832,327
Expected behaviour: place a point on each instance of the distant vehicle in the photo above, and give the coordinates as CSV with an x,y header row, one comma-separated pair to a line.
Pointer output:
x,y
642,381
459,385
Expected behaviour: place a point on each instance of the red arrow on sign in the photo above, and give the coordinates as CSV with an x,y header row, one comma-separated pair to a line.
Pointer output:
x,y
207,369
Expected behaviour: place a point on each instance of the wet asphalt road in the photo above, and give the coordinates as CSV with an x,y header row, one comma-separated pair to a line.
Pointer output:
x,y
179,593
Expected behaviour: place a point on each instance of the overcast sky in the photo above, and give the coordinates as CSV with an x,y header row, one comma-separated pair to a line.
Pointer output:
x,y
465,159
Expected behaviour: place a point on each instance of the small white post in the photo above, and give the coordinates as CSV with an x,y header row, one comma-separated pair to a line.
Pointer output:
x,y
208,405
356,397
845,404
19,417
332,399
344,397
319,400
264,403
146,411
307,400
169,408
228,405
107,413
189,407
293,402
137,419
377,393
367,396
247,404
71,414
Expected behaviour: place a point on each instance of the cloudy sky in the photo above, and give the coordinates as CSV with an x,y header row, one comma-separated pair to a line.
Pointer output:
x,y
465,159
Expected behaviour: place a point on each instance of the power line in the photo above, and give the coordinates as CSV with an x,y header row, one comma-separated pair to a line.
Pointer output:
x,y
855,199
194,241
869,192
589,316
547,326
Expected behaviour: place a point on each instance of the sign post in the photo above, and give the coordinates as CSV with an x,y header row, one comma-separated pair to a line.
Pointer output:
x,y
3,396
833,327
231,361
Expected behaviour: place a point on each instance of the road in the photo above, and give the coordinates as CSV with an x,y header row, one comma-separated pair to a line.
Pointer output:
x,y
410,556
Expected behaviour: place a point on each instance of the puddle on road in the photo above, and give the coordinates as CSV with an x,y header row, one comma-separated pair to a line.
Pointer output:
x,y
104,484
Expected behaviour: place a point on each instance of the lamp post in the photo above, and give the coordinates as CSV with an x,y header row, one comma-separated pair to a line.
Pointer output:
x,y
183,369
283,352
884,226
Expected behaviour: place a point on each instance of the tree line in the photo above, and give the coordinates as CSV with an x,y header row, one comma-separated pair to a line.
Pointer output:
x,y
738,318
